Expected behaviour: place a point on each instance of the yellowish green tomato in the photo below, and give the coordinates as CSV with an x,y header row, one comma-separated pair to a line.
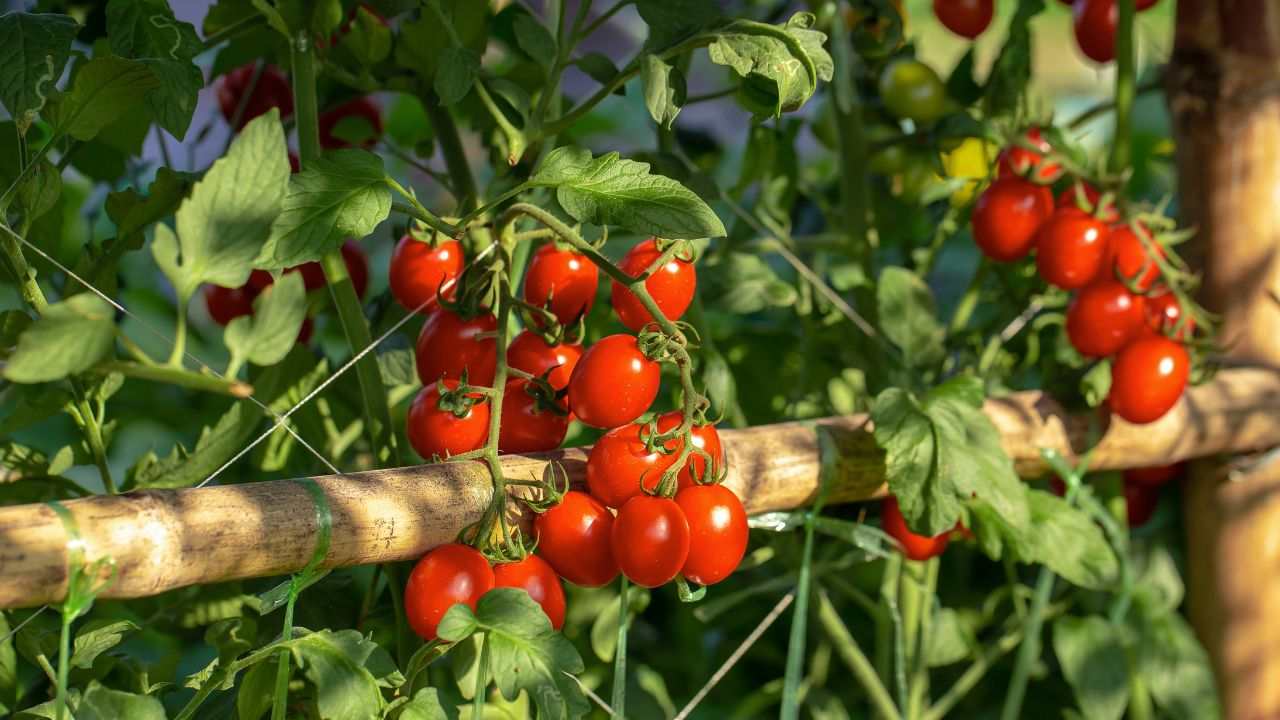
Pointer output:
x,y
912,90
970,160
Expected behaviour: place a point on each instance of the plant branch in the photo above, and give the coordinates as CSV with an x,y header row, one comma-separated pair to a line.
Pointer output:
x,y
847,647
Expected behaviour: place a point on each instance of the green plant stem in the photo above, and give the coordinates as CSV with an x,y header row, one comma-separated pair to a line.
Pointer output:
x,y
280,698
346,302
176,376
93,437
455,157
64,667
1029,651
911,592
1088,114
1125,87
855,198
179,335
800,619
1139,697
618,698
416,210
847,648
482,680
602,19
227,33
889,586
918,692
969,301
28,287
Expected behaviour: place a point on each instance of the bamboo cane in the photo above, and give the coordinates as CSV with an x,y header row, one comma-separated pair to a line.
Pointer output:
x,y
165,539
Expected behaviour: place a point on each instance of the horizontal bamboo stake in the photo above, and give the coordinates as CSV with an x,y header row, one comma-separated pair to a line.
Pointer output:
x,y
166,539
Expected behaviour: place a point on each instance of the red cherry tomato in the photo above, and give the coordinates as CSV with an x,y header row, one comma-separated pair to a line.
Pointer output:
x,y
650,540
619,463
419,270
1152,476
705,438
1148,377
613,383
271,91
534,576
575,538
1130,259
444,577
1095,26
1020,161
1071,198
914,546
1146,4
1164,313
1104,317
436,431
361,107
563,281
966,18
1071,247
671,286
227,304
1140,503
527,427
530,353
717,532
448,346
313,277
1006,217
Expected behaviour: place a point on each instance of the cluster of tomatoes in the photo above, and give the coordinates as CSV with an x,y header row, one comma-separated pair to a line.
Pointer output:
x,y
1122,308
271,90
1094,22
669,521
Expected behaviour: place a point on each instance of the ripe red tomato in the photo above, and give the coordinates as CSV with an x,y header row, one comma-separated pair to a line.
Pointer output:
x,y
619,462
444,577
526,427
534,576
1095,26
227,304
563,281
966,18
1130,259
914,546
1148,377
1007,215
1140,503
1152,476
313,274
1164,313
361,107
650,540
575,538
613,383
436,431
1070,248
448,346
705,438
717,532
1103,317
271,91
530,353
1070,198
671,286
1020,161
419,270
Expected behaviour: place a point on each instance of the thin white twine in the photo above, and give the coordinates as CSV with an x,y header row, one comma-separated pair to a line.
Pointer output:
x,y
733,659
603,705
160,334
23,624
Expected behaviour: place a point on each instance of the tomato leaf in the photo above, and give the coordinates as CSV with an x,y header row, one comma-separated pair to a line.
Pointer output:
x,y
908,316
34,49
131,212
951,638
69,338
266,336
670,22
343,194
525,653
147,30
1174,665
104,90
1057,535
425,705
369,39
610,190
535,40
96,637
597,66
743,283
781,75
222,225
664,89
456,75
257,688
335,664
100,703
942,452
1092,655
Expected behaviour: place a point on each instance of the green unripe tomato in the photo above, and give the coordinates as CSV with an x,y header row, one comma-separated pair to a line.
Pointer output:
x,y
912,90
888,159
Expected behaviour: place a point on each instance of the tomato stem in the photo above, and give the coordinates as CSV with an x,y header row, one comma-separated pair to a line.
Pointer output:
x,y
482,679
1125,86
847,647
455,157
618,698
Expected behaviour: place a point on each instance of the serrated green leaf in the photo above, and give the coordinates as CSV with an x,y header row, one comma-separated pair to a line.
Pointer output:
x,y
1176,668
535,40
425,705
1057,535
1092,655
334,663
456,74
230,212
34,48
908,316
100,703
369,39
147,30
397,367
665,91
69,338
131,211
104,90
257,688
343,194
525,653
266,336
743,283
670,22
610,190
96,637
173,101
783,74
